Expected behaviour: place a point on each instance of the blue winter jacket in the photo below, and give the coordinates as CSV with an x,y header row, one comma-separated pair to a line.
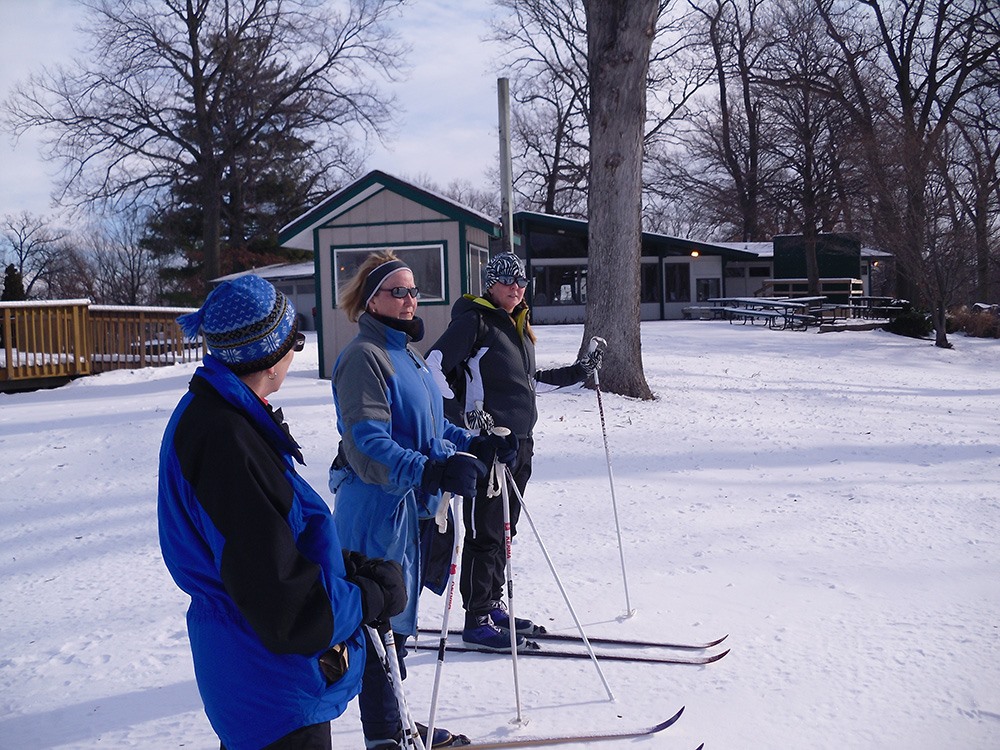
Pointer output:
x,y
390,415
257,550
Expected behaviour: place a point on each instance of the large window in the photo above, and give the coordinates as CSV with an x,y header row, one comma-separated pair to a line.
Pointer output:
x,y
426,261
677,282
707,289
558,285
649,283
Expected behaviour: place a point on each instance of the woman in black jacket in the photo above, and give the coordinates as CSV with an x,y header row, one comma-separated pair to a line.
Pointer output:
x,y
485,363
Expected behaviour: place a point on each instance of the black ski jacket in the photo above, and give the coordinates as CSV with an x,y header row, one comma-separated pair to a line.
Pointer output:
x,y
484,357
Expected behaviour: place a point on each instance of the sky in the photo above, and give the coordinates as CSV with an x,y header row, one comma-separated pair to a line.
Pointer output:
x,y
447,121
828,500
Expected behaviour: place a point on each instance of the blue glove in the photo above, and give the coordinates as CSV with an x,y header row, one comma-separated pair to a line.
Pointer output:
x,y
457,474
491,446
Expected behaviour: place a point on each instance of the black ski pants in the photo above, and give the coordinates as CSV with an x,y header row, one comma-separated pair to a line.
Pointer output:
x,y
484,554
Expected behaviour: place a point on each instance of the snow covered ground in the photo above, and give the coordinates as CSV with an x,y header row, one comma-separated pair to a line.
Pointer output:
x,y
832,501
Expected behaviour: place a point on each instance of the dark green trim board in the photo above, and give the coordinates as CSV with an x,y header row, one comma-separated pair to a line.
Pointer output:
x,y
445,206
318,317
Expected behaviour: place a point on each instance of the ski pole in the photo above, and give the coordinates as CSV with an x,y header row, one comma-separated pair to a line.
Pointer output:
x,y
502,470
385,647
456,509
596,342
562,589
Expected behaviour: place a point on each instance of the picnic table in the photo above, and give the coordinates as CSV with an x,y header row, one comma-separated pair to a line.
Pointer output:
x,y
775,312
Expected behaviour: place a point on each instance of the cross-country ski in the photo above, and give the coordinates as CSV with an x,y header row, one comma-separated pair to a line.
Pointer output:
x,y
545,635
583,738
532,648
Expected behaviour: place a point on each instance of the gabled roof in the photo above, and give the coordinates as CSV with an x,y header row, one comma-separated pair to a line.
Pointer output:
x,y
650,240
298,232
275,271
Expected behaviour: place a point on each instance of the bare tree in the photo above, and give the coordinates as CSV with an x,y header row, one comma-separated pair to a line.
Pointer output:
x,y
34,249
909,64
619,40
718,160
974,180
546,49
180,91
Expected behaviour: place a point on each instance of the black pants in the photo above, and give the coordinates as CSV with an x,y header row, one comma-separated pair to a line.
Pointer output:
x,y
312,737
484,554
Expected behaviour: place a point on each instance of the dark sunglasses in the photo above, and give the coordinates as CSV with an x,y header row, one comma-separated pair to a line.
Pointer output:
x,y
399,292
508,280
300,342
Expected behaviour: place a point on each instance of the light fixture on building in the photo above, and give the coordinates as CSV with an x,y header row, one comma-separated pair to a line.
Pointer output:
x,y
695,253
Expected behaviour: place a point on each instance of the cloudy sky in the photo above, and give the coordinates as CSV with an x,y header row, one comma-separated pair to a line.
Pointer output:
x,y
447,122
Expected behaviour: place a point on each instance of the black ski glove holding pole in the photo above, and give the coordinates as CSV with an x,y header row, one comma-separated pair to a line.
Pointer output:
x,y
383,591
491,446
457,474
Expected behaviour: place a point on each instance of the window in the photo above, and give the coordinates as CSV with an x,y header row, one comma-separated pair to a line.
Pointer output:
x,y
478,257
426,262
677,282
707,289
558,285
649,283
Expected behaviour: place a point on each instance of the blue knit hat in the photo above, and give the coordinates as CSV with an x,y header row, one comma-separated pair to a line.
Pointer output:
x,y
248,324
504,264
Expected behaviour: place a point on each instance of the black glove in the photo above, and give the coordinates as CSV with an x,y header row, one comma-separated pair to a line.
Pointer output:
x,y
457,474
490,446
591,362
383,591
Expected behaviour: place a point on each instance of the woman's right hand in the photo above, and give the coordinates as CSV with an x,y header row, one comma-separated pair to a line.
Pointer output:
x,y
457,474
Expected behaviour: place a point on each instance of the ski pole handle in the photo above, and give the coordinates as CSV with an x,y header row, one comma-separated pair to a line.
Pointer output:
x,y
441,517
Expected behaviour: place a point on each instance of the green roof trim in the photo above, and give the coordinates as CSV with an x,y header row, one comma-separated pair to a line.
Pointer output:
x,y
659,244
376,179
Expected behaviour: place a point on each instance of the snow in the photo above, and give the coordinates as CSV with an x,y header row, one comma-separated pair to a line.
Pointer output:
x,y
829,500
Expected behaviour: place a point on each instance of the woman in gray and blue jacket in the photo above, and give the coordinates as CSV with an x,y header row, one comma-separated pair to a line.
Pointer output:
x,y
398,454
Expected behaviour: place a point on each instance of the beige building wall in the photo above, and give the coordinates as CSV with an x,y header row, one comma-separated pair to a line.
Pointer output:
x,y
388,220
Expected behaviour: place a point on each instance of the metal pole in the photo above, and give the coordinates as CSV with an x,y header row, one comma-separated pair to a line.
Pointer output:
x,y
506,170
386,650
456,509
562,589
594,343
501,469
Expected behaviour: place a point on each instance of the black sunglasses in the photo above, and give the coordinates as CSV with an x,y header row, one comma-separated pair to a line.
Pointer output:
x,y
399,292
300,342
508,280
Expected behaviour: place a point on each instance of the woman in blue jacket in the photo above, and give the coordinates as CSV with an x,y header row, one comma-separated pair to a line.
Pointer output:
x,y
275,619
397,455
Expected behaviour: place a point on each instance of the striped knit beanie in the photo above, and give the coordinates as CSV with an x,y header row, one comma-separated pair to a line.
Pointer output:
x,y
248,324
504,264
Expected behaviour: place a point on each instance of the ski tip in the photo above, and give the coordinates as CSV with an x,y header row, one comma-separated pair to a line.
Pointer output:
x,y
716,657
700,747
672,720
717,641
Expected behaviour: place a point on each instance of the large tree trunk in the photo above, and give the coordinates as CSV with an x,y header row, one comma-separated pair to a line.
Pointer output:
x,y
619,37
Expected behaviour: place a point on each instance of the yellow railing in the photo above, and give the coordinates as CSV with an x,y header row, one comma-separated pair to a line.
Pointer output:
x,y
133,337
67,338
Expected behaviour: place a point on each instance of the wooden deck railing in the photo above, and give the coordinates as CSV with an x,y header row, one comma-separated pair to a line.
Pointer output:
x,y
64,339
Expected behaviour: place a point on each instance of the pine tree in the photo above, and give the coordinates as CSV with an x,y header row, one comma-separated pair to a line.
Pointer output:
x,y
13,285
